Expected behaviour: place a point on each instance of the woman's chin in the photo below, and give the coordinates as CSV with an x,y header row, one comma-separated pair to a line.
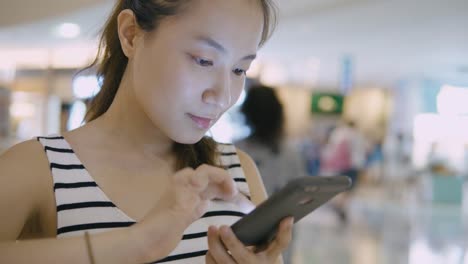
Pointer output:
x,y
188,140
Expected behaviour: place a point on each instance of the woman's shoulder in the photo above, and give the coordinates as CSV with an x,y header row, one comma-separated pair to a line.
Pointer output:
x,y
23,155
24,181
24,160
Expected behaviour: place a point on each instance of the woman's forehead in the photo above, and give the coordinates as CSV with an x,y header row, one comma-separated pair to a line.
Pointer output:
x,y
226,21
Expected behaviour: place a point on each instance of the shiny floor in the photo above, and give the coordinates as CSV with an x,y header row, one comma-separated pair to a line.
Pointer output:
x,y
386,224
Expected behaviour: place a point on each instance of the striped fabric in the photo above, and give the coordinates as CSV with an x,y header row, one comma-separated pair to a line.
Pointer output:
x,y
83,206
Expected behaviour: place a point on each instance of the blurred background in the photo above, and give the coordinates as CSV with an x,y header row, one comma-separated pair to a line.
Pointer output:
x,y
387,78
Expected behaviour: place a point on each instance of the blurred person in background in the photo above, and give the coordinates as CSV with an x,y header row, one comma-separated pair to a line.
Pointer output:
x,y
400,177
374,164
311,146
139,182
344,153
277,161
397,152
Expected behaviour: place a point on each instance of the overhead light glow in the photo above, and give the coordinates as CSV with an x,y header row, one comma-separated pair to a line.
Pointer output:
x,y
68,30
85,86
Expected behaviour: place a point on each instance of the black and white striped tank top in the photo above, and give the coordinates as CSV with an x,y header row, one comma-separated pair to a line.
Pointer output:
x,y
83,206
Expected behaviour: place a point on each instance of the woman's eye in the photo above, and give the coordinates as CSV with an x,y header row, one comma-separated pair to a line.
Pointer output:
x,y
239,72
203,62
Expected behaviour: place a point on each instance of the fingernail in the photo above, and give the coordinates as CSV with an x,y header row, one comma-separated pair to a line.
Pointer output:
x,y
212,229
225,231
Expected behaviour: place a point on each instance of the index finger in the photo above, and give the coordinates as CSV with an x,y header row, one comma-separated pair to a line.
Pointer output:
x,y
220,184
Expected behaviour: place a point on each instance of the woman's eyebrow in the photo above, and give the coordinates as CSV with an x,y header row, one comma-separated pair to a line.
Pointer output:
x,y
250,57
216,45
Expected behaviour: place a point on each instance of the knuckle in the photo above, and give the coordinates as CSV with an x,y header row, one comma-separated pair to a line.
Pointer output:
x,y
203,167
187,170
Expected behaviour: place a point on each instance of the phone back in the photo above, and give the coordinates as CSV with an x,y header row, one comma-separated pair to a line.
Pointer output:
x,y
298,198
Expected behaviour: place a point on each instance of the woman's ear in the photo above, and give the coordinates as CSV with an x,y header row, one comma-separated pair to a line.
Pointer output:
x,y
128,31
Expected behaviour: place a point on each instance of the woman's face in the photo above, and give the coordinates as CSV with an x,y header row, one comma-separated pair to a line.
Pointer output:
x,y
191,69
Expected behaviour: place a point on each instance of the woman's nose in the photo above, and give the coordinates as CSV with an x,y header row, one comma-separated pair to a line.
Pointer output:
x,y
220,93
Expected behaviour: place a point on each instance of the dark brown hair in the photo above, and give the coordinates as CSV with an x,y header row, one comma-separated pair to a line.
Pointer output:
x,y
264,115
111,63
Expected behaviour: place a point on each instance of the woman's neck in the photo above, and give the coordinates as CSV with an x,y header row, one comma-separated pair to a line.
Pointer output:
x,y
126,123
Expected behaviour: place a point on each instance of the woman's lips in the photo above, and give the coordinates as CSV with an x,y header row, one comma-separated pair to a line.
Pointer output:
x,y
201,122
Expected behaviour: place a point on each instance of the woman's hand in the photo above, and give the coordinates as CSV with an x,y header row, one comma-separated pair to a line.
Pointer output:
x,y
184,201
225,248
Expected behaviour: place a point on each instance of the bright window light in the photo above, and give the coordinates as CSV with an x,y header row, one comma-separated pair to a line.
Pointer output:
x,y
68,31
77,114
452,100
223,130
7,71
449,133
274,74
421,252
241,99
34,58
85,86
227,130
77,55
21,110
229,127
254,70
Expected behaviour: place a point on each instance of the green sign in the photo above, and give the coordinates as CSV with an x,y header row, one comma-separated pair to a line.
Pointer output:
x,y
327,103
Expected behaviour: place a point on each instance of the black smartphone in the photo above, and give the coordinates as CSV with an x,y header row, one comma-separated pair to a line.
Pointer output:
x,y
297,198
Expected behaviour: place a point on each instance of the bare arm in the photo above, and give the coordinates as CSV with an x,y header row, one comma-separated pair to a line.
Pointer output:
x,y
116,246
24,180
257,189
18,190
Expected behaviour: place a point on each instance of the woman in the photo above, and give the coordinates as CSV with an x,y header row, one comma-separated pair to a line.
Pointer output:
x,y
277,161
131,185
